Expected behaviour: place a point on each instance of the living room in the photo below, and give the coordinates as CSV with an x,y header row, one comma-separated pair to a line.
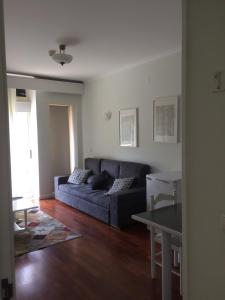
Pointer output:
x,y
116,68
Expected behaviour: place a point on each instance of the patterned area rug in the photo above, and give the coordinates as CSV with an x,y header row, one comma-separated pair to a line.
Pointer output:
x,y
43,231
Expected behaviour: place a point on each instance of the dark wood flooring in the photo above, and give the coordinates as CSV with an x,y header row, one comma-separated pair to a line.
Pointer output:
x,y
103,264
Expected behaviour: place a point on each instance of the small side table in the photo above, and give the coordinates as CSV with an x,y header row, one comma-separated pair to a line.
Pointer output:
x,y
24,205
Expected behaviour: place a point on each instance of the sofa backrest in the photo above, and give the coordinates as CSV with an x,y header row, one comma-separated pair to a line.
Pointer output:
x,y
93,164
111,166
119,169
137,170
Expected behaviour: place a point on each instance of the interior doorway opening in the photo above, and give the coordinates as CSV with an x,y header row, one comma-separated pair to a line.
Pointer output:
x,y
61,139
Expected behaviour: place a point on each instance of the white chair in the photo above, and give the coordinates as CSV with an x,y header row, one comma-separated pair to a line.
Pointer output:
x,y
159,201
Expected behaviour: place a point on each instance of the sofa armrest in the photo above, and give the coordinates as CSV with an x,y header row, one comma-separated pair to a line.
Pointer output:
x,y
124,204
60,180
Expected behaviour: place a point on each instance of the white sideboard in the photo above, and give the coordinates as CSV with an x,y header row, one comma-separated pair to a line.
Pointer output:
x,y
165,183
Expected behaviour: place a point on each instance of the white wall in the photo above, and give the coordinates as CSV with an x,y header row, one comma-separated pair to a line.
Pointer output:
x,y
44,99
134,87
205,151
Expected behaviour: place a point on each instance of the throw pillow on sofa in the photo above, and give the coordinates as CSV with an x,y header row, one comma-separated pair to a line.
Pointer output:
x,y
90,178
78,176
100,181
120,184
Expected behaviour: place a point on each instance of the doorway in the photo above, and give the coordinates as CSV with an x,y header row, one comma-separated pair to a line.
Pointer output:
x,y
59,139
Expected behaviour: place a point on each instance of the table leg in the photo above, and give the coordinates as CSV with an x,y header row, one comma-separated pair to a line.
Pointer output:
x,y
176,258
153,250
166,266
181,272
25,218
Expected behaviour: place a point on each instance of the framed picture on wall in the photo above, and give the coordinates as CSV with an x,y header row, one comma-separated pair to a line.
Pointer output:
x,y
128,127
165,119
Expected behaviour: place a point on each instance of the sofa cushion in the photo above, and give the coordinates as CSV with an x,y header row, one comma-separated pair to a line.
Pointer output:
x,y
78,176
120,184
91,178
85,192
93,164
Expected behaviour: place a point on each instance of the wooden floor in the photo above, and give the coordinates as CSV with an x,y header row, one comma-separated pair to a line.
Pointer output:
x,y
103,264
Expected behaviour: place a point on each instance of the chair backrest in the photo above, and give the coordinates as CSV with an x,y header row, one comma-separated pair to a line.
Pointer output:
x,y
161,192
161,200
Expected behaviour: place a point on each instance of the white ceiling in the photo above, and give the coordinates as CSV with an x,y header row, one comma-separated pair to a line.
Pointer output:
x,y
102,35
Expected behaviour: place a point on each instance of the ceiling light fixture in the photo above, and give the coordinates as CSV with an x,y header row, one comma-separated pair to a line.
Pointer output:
x,y
61,57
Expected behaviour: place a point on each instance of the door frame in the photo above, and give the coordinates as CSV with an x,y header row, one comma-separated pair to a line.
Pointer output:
x,y
184,153
7,269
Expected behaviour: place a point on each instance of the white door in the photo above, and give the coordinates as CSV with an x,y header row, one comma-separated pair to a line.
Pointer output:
x,y
6,223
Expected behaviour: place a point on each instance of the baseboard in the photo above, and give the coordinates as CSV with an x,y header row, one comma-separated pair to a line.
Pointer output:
x,y
47,196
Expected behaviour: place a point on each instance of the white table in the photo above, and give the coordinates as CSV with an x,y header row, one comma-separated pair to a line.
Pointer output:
x,y
24,205
169,221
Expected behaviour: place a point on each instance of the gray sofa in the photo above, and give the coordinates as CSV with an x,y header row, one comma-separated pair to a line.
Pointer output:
x,y
114,209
